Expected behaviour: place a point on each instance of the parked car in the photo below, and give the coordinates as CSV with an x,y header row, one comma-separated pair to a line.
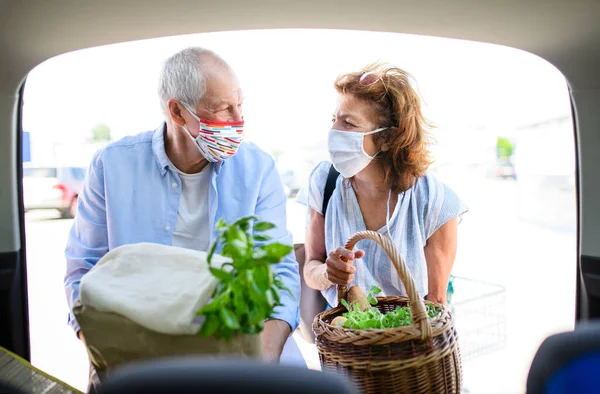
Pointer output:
x,y
52,188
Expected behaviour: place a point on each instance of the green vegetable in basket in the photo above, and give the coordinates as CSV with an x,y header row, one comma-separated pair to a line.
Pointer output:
x,y
372,318
248,290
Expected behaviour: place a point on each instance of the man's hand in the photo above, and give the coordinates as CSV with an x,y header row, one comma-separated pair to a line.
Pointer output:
x,y
274,337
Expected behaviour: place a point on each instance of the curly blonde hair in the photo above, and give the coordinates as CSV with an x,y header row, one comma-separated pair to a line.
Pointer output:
x,y
398,107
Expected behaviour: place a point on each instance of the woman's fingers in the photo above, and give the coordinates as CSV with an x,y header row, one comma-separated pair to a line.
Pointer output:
x,y
338,277
340,272
340,267
335,262
359,254
344,254
349,255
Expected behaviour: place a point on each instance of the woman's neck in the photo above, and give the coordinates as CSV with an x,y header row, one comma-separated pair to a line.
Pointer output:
x,y
370,182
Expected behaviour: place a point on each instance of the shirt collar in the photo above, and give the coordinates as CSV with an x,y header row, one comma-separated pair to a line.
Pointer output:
x,y
158,148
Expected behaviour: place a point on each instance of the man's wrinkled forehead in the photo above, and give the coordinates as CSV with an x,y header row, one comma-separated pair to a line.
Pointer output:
x,y
223,87
231,97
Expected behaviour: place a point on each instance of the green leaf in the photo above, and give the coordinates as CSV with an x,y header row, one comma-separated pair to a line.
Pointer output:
x,y
248,289
237,241
372,299
238,300
209,308
262,276
261,324
275,252
375,290
256,327
234,252
240,245
256,294
258,254
244,223
345,304
226,334
263,226
221,224
364,324
262,238
234,233
277,249
255,316
386,322
211,323
229,319
220,274
276,295
249,276
221,234
217,301
270,298
211,252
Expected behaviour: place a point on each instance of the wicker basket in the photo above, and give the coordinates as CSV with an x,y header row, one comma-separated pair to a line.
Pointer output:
x,y
423,358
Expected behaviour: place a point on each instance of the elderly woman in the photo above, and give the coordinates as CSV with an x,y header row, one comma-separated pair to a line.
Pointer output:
x,y
379,146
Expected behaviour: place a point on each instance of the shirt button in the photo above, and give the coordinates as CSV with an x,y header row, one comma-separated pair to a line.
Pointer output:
x,y
174,185
167,228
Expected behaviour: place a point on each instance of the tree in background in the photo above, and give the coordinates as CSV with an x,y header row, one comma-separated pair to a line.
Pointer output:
x,y
504,148
101,133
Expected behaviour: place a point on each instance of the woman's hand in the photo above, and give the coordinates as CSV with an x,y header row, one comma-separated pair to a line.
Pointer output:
x,y
340,272
439,299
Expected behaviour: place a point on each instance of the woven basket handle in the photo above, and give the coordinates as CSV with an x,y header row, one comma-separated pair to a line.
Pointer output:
x,y
417,306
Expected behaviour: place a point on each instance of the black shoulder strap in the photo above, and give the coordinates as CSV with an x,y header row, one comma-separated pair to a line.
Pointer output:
x,y
329,187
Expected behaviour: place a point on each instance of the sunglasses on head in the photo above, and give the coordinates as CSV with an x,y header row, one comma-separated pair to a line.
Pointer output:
x,y
370,78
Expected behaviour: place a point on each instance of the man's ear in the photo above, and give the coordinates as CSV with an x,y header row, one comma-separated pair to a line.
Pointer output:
x,y
176,112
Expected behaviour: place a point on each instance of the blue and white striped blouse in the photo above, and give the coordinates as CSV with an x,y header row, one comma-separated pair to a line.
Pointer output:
x,y
420,211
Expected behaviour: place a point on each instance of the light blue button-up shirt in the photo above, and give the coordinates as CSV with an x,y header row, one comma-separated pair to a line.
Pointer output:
x,y
131,194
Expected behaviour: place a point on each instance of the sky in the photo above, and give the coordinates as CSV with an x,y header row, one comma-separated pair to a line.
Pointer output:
x,y
471,91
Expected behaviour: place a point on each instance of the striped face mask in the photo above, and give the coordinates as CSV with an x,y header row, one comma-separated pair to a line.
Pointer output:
x,y
216,140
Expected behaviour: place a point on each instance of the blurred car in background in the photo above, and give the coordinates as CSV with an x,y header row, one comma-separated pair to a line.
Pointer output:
x,y
52,188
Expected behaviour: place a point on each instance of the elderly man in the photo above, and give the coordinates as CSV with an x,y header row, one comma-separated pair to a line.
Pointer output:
x,y
171,185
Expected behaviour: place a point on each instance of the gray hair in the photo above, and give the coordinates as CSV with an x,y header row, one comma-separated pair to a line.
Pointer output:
x,y
183,76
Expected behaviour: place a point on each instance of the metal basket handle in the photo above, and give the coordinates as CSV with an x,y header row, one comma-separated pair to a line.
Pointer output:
x,y
417,306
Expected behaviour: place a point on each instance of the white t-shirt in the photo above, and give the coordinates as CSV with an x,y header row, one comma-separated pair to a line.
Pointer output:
x,y
192,230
